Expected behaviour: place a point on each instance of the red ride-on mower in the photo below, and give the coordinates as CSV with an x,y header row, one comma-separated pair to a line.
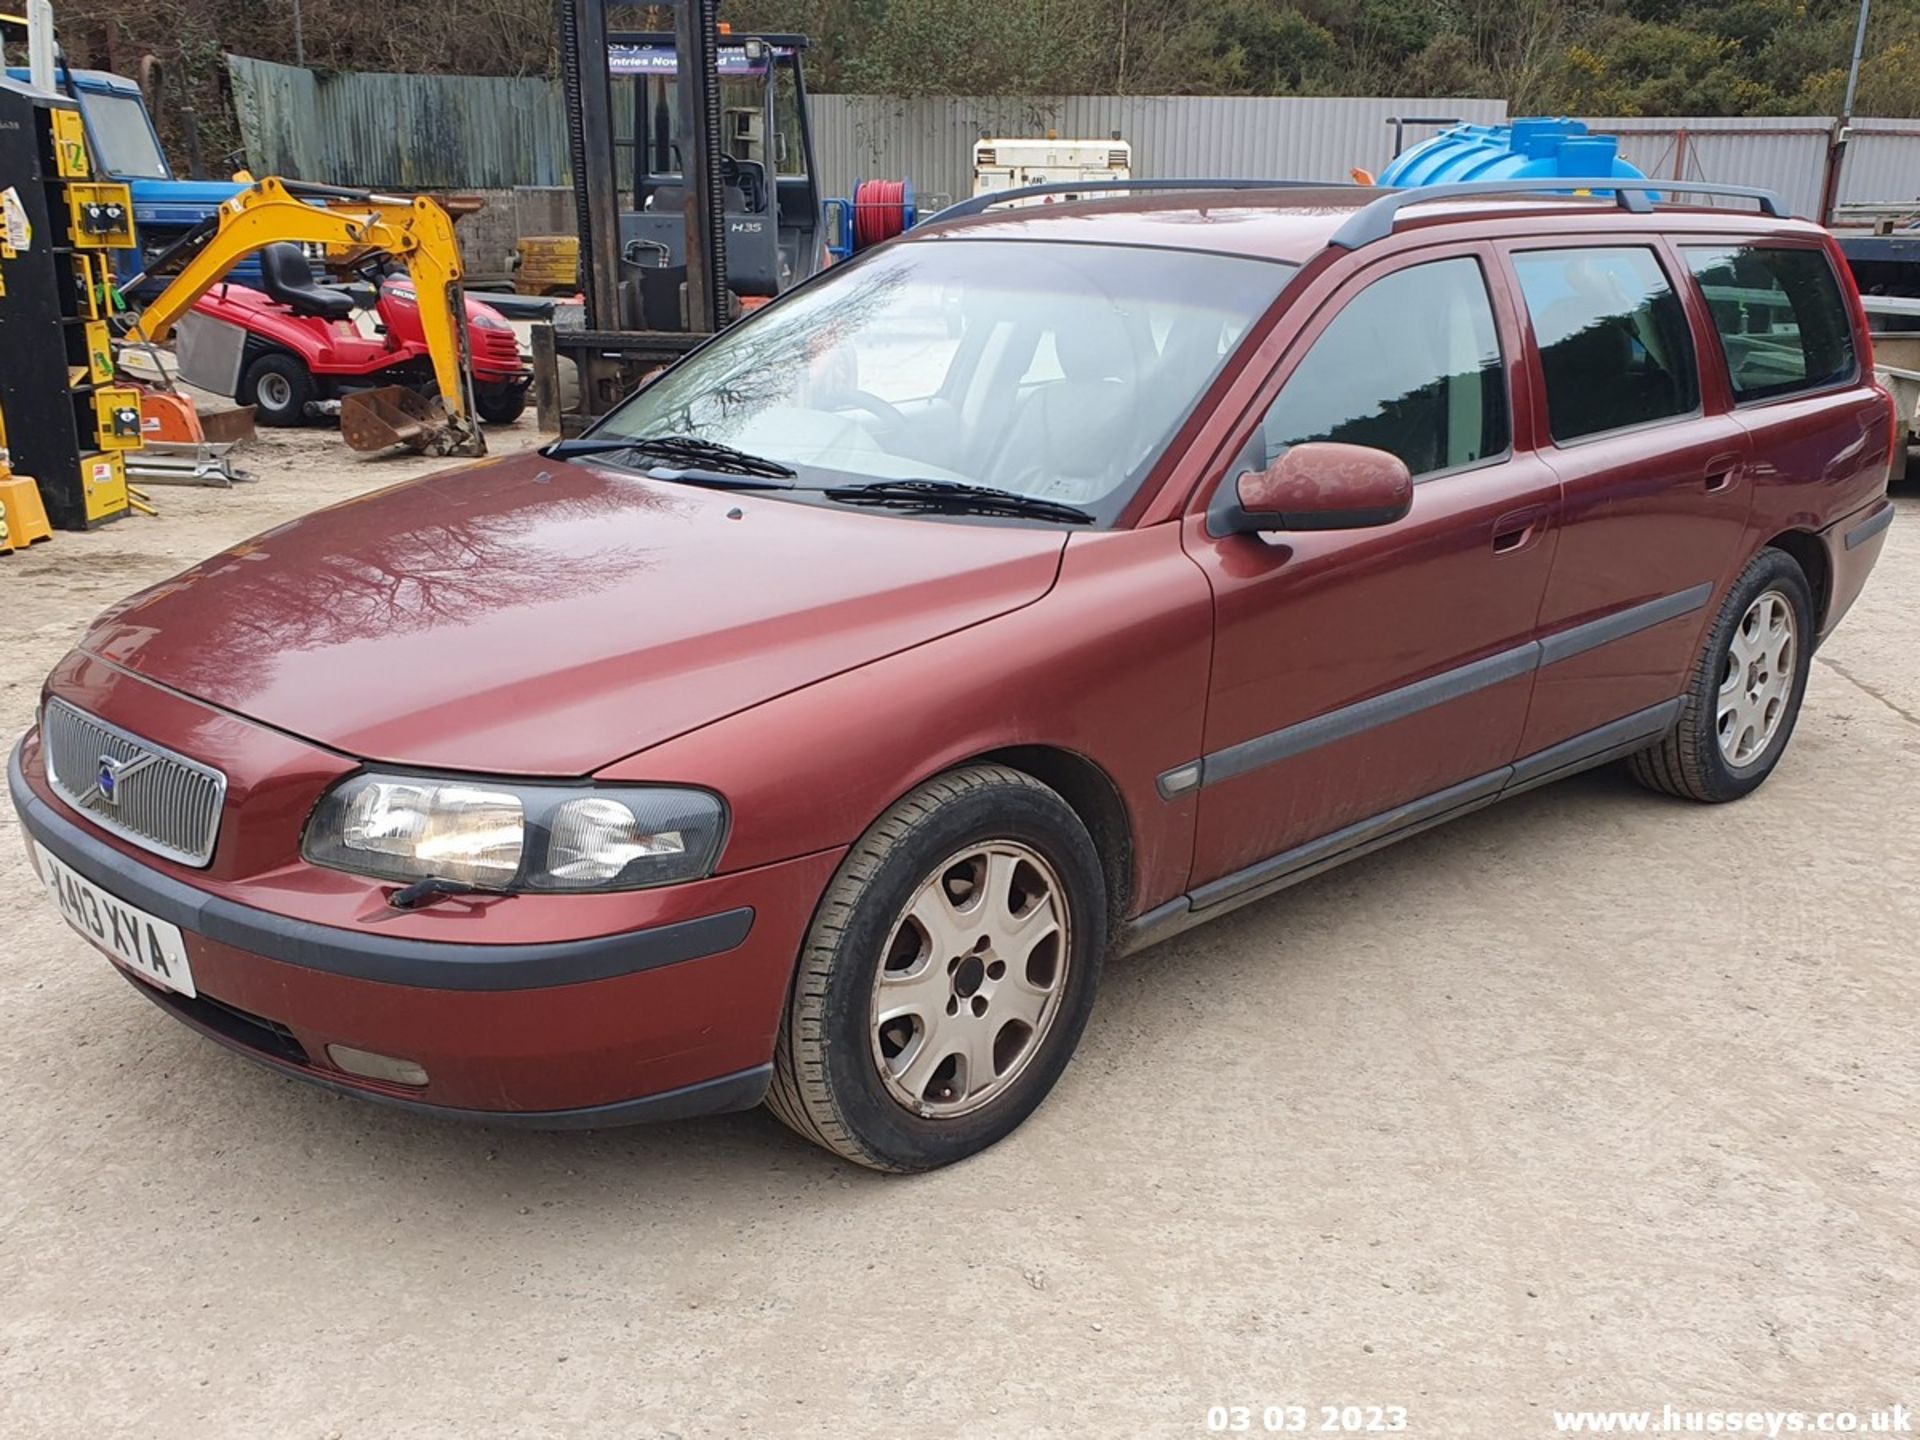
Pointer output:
x,y
304,346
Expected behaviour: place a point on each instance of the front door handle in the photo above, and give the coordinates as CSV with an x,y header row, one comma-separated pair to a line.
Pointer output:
x,y
1518,529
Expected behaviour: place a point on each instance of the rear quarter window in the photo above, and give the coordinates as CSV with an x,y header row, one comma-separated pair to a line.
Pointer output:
x,y
1777,309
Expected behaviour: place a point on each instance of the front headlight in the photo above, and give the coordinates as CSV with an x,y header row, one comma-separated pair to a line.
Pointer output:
x,y
488,320
511,836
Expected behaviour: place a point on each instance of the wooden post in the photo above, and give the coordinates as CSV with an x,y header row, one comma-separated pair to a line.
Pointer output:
x,y
546,380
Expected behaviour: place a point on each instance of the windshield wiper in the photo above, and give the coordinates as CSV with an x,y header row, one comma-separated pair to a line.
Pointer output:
x,y
585,445
950,497
689,451
715,479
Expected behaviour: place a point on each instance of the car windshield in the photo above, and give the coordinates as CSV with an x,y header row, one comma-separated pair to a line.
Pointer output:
x,y
1054,370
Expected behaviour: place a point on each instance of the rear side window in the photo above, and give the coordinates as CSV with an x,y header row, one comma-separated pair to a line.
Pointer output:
x,y
1778,311
1613,339
1411,365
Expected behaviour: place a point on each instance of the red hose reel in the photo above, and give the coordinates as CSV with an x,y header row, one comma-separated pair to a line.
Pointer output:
x,y
882,209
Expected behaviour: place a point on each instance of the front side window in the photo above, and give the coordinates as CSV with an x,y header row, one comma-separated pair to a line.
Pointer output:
x,y
1778,312
1056,370
1411,365
789,140
1613,338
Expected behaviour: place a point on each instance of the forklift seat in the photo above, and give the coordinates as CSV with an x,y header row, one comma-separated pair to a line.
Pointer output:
x,y
671,199
289,279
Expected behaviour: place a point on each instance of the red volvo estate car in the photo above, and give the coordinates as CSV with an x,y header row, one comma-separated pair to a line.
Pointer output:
x,y
1032,588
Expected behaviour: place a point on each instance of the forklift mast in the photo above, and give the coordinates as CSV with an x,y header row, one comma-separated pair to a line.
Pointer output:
x,y
697,41
688,192
588,90
587,82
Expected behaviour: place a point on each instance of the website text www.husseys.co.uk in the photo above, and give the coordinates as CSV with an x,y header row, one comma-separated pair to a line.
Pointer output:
x,y
1676,1420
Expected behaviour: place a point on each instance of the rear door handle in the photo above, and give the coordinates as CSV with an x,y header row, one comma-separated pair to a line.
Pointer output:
x,y
1721,473
1517,529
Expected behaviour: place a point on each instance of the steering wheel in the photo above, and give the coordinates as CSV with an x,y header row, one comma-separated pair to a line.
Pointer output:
x,y
747,177
889,415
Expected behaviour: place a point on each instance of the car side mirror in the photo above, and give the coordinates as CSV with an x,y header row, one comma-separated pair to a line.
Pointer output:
x,y
1323,485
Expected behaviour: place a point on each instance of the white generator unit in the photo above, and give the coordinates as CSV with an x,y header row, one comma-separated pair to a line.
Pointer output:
x,y
1000,164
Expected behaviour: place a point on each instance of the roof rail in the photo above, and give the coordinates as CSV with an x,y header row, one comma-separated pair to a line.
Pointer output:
x,y
979,204
1375,220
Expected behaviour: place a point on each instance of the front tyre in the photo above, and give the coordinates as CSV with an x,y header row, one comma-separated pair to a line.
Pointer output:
x,y
1745,695
279,387
947,976
500,404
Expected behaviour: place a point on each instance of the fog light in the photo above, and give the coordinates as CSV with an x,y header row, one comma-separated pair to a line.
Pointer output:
x,y
376,1067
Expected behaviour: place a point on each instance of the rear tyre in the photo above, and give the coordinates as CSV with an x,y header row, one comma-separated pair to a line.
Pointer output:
x,y
947,976
279,387
1745,695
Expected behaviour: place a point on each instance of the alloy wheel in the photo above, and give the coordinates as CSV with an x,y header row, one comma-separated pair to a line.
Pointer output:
x,y
971,979
1757,683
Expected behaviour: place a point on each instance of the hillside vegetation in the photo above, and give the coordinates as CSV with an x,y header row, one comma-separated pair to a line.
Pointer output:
x,y
1595,57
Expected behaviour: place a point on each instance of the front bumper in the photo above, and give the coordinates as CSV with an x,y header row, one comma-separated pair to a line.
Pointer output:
x,y
673,1019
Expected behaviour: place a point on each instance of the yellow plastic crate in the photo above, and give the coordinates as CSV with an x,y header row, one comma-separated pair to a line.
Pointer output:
x,y
549,265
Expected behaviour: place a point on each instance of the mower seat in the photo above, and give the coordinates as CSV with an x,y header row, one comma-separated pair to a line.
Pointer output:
x,y
288,278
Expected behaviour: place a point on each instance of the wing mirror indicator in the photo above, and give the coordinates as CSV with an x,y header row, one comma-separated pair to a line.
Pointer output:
x,y
1324,485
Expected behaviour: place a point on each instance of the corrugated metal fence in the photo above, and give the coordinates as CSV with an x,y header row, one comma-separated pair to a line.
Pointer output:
x,y
1883,161
407,132
1787,154
458,132
858,137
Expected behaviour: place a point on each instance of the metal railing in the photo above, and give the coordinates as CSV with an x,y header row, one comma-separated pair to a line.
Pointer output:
x,y
979,204
1375,220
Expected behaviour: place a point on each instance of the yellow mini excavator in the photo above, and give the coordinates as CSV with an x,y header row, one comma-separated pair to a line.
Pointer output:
x,y
353,229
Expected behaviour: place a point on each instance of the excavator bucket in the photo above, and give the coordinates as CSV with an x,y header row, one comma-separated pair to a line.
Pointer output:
x,y
394,416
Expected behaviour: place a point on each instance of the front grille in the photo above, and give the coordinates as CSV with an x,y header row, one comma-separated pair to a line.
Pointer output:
x,y
498,346
140,791
230,1022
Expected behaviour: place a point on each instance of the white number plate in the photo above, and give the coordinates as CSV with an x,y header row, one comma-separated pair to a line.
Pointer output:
x,y
136,939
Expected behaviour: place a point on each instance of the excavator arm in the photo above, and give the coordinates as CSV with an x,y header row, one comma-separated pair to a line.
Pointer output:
x,y
416,232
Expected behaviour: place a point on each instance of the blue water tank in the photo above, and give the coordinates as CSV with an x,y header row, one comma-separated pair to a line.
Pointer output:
x,y
1540,148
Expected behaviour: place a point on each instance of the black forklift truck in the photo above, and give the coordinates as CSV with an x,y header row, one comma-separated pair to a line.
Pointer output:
x,y
695,193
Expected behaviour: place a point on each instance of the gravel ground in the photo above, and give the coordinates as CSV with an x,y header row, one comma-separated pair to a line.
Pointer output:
x,y
1592,1100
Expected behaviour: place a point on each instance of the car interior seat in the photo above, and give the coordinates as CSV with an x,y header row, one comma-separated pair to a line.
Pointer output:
x,y
1594,380
1070,436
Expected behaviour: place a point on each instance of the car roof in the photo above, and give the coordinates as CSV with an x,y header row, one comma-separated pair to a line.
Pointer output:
x,y
1296,223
